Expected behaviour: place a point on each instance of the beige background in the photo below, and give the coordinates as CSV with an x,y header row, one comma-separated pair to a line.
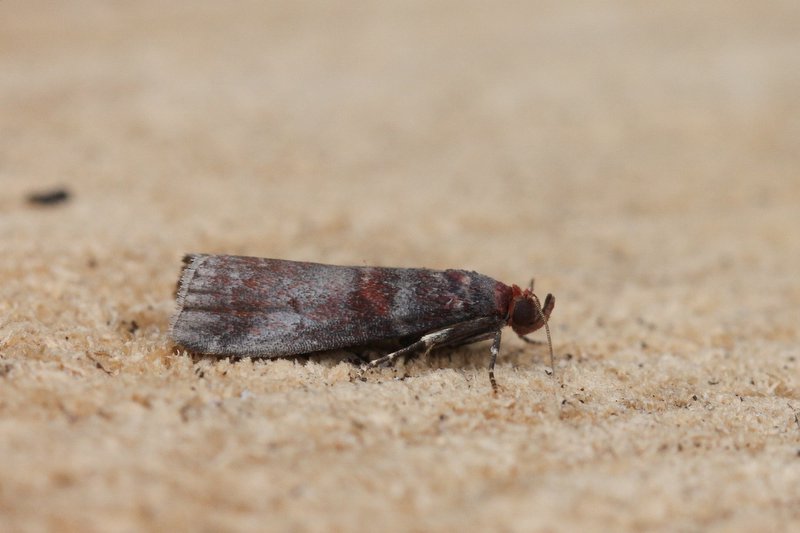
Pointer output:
x,y
640,160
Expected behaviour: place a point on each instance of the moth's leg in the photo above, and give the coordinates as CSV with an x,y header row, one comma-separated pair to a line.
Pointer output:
x,y
495,350
427,342
455,334
530,285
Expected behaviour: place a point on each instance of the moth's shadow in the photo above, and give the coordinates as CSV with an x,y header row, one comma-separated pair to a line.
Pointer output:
x,y
462,357
328,359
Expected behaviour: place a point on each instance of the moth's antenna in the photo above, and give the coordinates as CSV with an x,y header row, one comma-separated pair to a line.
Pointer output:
x,y
549,339
552,354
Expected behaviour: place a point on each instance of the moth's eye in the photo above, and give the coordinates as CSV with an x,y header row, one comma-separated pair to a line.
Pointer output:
x,y
523,313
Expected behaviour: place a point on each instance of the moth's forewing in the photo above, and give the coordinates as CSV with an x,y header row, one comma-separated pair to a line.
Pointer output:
x,y
247,306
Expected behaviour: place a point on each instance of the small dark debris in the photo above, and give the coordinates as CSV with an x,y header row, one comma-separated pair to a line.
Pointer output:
x,y
694,397
92,262
713,382
133,327
569,357
99,365
49,198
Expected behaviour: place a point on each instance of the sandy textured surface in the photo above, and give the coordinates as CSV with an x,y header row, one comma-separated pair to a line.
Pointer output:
x,y
642,163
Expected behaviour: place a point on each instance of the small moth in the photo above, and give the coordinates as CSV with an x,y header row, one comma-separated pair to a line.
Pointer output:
x,y
249,306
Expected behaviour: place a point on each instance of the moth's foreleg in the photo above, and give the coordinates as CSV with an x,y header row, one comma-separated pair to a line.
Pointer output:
x,y
427,342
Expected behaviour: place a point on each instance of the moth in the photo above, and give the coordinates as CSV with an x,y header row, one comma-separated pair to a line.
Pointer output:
x,y
249,306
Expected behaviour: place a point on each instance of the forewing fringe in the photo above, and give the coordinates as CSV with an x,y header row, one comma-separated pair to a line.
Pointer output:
x,y
191,264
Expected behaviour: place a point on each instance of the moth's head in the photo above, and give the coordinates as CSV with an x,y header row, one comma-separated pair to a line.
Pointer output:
x,y
524,314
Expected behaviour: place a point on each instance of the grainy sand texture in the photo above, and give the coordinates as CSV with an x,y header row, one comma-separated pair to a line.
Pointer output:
x,y
641,160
